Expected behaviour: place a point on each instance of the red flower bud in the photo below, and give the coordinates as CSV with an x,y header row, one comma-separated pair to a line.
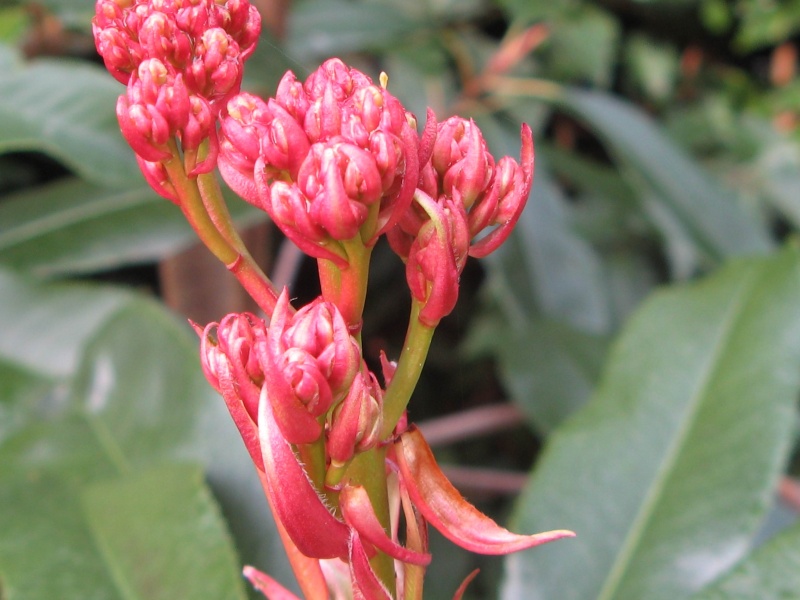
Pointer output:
x,y
156,176
340,181
356,420
461,159
241,130
437,257
232,368
511,187
309,361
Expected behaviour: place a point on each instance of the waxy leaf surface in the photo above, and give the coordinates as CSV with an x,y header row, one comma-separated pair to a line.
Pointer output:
x,y
666,474
772,572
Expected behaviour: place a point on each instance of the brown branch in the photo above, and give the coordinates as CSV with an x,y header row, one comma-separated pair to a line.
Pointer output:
x,y
471,423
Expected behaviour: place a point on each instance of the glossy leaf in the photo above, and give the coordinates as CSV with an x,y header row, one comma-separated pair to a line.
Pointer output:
x,y
161,536
131,395
73,226
153,534
666,474
66,110
323,28
35,333
772,572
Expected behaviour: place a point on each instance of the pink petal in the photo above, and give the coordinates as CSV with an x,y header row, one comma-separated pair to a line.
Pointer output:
x,y
358,513
309,524
267,585
463,587
442,505
366,585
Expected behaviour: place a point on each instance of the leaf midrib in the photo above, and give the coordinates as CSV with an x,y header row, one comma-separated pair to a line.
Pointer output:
x,y
643,517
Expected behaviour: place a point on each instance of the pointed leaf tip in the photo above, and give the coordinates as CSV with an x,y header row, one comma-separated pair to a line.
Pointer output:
x,y
267,585
359,514
442,505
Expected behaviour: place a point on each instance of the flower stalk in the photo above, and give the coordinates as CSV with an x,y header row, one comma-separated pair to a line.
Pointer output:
x,y
337,163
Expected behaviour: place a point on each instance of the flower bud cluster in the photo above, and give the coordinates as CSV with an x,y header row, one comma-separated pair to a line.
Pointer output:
x,y
328,159
466,204
180,60
307,366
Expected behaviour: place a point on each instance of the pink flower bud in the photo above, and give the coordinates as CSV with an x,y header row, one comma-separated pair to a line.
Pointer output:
x,y
288,207
309,361
461,159
233,369
356,421
511,187
244,25
216,71
337,76
292,96
145,129
120,53
323,120
341,182
240,134
284,144
160,38
156,176
437,257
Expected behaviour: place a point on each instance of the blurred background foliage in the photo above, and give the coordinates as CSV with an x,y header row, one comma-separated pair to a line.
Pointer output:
x,y
668,150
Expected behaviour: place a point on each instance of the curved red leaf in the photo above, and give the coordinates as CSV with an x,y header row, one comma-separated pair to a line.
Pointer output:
x,y
308,522
358,513
442,505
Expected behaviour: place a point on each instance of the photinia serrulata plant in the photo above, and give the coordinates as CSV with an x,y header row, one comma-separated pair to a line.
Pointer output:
x,y
337,162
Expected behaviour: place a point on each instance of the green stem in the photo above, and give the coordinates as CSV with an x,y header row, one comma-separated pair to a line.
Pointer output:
x,y
209,218
347,287
409,368
368,469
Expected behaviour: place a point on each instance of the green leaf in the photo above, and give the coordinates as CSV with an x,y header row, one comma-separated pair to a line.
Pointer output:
x,y
162,537
772,572
582,46
323,28
72,226
36,333
46,549
549,368
65,109
149,535
132,396
718,224
666,474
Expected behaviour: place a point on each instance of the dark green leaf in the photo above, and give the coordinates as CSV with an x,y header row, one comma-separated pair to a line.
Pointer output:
x,y
323,28
666,474
549,369
718,224
65,109
772,572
